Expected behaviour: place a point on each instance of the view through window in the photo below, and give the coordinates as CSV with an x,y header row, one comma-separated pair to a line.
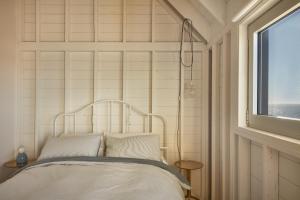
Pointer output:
x,y
278,72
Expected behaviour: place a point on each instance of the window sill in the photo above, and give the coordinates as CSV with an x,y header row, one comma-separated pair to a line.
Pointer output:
x,y
280,143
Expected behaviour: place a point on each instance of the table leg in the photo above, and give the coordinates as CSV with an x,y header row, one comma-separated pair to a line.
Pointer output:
x,y
189,192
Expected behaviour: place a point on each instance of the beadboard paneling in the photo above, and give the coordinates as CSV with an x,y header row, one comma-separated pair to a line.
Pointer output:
x,y
81,20
52,20
138,85
166,26
81,87
138,20
108,85
256,171
68,78
29,20
51,92
165,93
110,20
289,177
28,103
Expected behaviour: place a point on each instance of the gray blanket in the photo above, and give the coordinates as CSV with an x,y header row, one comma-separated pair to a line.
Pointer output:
x,y
171,169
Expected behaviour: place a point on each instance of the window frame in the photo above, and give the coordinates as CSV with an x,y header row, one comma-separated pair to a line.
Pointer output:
x,y
279,125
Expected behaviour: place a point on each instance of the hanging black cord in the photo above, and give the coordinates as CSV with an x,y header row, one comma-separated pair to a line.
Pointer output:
x,y
189,29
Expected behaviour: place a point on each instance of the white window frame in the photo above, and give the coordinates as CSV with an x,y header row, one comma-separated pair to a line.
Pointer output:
x,y
283,126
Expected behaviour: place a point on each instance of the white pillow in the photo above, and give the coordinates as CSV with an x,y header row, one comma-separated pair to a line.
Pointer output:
x,y
141,146
102,142
68,146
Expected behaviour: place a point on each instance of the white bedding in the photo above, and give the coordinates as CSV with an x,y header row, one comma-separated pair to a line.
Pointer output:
x,y
74,180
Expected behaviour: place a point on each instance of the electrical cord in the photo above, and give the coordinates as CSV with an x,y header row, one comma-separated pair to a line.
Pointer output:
x,y
186,22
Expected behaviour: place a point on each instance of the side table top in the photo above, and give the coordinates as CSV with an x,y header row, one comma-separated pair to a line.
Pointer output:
x,y
13,163
188,164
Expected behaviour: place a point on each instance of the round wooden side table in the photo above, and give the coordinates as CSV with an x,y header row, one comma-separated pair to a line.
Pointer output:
x,y
188,166
13,164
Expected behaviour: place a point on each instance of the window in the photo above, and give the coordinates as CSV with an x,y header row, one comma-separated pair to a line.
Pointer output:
x,y
274,69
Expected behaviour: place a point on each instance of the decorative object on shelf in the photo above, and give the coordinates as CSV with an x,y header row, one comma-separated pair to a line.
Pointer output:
x,y
188,166
22,158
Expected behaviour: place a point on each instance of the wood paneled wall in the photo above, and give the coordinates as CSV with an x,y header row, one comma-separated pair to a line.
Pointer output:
x,y
72,52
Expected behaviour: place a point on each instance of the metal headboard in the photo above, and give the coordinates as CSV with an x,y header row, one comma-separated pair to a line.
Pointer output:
x,y
126,106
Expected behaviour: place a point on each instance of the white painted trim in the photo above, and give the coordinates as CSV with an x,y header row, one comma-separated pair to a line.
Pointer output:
x,y
281,143
247,8
233,115
225,121
152,89
37,103
109,46
205,122
67,89
124,94
283,126
215,123
95,122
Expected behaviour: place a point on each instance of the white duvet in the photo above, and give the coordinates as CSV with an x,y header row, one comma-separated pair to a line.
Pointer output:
x,y
69,180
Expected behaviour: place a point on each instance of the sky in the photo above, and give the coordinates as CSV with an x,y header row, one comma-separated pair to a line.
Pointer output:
x,y
284,61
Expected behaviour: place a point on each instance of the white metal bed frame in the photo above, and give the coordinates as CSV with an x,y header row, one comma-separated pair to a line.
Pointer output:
x,y
127,110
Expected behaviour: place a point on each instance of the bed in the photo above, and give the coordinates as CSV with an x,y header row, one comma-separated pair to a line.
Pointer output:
x,y
131,168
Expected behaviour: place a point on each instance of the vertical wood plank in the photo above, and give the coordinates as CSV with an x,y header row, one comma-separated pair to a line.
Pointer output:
x,y
21,20
20,92
94,118
244,171
153,21
96,21
67,22
37,103
234,113
124,71
152,89
233,165
215,129
124,21
225,123
270,174
205,125
37,21
67,90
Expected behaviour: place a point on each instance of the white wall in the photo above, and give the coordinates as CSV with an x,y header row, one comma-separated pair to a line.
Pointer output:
x,y
7,79
259,168
72,54
271,174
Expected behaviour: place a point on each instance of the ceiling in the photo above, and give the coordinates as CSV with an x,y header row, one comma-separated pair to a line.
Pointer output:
x,y
207,15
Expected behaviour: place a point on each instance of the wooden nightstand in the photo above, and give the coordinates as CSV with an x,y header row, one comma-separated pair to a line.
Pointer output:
x,y
8,168
188,166
13,164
